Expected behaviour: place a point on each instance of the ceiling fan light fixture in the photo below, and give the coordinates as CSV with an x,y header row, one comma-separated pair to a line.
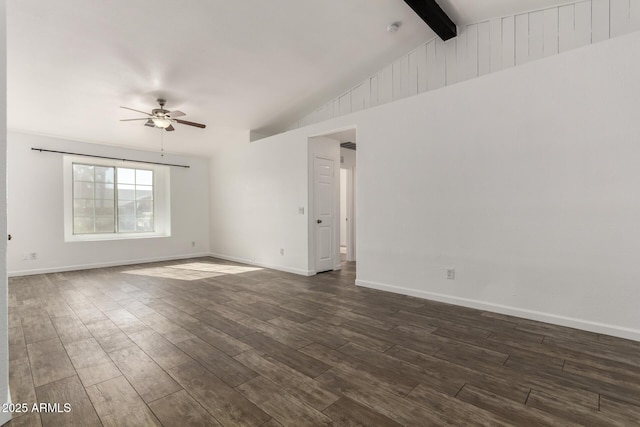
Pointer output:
x,y
161,123
163,119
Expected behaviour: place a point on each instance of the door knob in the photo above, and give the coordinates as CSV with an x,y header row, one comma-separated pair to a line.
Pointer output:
x,y
319,221
9,237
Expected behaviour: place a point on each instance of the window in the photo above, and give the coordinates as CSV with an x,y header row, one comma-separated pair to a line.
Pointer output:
x,y
112,200
105,201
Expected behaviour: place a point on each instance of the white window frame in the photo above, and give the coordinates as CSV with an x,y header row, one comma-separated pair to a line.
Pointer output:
x,y
162,200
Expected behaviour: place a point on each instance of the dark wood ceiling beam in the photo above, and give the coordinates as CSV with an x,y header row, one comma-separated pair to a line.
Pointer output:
x,y
434,16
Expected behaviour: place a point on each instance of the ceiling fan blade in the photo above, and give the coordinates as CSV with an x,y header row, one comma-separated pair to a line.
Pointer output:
x,y
150,123
169,128
137,111
184,122
176,113
130,120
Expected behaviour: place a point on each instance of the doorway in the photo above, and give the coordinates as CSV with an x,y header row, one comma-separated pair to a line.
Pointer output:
x,y
348,200
331,201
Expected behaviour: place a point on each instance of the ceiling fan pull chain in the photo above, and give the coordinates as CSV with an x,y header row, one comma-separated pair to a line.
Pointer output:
x,y
161,142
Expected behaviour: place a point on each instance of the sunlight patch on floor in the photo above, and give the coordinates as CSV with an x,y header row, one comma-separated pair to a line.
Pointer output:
x,y
192,270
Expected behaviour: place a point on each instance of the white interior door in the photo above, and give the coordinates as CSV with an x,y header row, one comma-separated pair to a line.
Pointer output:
x,y
324,212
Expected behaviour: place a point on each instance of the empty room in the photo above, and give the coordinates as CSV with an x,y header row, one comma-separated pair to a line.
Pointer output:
x,y
291,213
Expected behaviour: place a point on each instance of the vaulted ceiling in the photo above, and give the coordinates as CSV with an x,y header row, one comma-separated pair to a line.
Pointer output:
x,y
234,65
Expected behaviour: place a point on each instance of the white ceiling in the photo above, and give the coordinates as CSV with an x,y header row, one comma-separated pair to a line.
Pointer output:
x,y
234,65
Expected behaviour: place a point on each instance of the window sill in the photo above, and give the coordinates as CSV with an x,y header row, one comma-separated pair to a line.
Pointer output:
x,y
107,237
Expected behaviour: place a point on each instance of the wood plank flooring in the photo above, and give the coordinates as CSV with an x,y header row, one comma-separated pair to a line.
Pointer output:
x,y
205,342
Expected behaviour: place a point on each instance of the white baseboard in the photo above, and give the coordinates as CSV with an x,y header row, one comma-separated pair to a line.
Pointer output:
x,y
586,325
45,270
265,265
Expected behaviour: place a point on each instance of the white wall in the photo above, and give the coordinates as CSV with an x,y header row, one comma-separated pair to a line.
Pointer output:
x,y
257,190
4,300
524,180
485,47
36,209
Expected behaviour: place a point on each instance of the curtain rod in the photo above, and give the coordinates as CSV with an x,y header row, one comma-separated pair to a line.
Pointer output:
x,y
110,158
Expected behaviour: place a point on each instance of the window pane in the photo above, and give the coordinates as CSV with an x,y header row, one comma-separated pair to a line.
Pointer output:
x,y
144,192
126,208
105,208
126,192
83,190
104,174
126,224
82,173
144,177
105,224
104,191
126,176
83,207
144,223
97,189
144,207
82,225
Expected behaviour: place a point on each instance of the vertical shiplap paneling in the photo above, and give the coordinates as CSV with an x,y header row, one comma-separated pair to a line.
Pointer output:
x,y
345,104
451,61
619,19
373,88
396,90
599,20
385,85
522,38
311,118
634,15
327,112
508,42
566,21
404,77
441,63
357,98
582,24
472,51
536,35
461,53
413,73
484,48
366,93
322,114
495,37
550,44
421,59
432,79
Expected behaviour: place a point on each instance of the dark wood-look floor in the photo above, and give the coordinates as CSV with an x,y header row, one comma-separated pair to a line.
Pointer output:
x,y
208,342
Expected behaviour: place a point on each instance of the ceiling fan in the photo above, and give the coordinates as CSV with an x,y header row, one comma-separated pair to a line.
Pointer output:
x,y
163,119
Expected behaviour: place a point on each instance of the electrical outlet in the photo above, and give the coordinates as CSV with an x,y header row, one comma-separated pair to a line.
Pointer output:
x,y
193,244
451,273
281,251
33,256
301,210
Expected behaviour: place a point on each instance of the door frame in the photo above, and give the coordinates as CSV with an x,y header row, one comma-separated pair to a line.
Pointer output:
x,y
351,213
319,146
